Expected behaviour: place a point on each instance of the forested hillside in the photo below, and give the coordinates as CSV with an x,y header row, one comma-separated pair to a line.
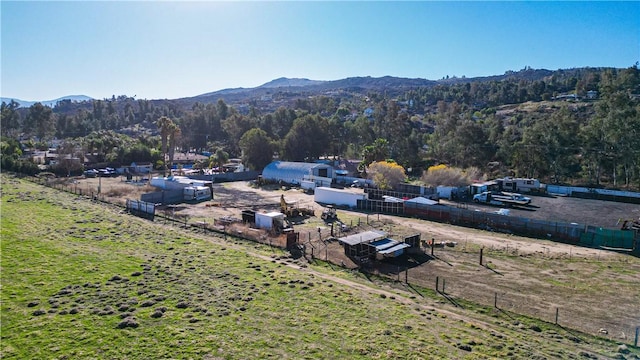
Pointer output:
x,y
575,126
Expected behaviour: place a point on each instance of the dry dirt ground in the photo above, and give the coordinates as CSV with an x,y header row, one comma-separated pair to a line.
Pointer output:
x,y
527,276
599,213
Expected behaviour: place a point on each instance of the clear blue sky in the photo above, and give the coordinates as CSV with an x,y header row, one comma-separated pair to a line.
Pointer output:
x,y
170,50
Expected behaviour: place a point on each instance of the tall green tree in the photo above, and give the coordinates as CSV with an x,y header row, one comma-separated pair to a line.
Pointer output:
x,y
234,127
166,127
257,149
219,158
11,121
552,145
307,140
611,139
40,121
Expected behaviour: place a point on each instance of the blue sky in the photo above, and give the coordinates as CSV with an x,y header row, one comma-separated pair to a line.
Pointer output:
x,y
157,50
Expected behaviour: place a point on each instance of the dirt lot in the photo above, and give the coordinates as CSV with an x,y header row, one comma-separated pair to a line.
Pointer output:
x,y
527,276
567,209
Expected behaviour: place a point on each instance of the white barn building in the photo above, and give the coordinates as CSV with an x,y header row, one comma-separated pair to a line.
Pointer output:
x,y
294,172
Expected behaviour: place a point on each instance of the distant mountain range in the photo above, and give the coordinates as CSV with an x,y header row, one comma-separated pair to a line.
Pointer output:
x,y
49,103
291,87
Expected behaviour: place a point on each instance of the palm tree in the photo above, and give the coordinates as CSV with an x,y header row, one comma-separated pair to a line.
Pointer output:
x,y
165,125
174,135
219,158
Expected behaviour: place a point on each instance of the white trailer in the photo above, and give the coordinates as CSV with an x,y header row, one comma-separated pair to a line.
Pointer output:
x,y
325,195
197,193
524,185
307,185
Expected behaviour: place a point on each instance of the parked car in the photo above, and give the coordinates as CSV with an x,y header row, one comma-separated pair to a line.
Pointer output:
x,y
91,173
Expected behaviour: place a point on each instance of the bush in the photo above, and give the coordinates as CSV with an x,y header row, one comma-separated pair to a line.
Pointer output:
x,y
448,176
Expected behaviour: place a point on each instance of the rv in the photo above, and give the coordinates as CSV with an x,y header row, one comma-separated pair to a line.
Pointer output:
x,y
197,193
523,185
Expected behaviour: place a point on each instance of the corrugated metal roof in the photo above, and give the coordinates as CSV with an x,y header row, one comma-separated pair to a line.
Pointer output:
x,y
362,237
394,248
289,171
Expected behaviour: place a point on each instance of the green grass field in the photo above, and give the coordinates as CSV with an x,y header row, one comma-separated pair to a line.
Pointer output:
x,y
83,281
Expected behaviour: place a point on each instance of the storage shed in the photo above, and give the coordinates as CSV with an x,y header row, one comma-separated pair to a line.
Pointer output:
x,y
269,220
358,245
294,172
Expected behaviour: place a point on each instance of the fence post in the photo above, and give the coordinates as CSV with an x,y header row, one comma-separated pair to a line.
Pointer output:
x,y
557,310
635,343
495,300
437,280
406,276
481,250
444,282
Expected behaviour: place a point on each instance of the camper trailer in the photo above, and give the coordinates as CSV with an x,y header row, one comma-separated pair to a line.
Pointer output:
x,y
521,185
197,193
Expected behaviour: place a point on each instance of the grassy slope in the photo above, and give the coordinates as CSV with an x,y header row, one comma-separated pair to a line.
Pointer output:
x,y
84,267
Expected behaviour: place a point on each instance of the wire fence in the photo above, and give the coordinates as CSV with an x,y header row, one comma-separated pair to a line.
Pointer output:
x,y
321,245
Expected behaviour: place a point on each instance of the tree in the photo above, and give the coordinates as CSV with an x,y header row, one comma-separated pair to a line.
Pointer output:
x,y
378,151
174,135
40,121
234,127
449,176
386,174
166,126
307,139
551,145
257,148
11,122
219,158
611,139
69,159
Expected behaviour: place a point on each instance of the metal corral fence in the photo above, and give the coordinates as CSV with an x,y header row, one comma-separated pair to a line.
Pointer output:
x,y
164,197
378,194
571,233
142,209
607,238
317,245
229,176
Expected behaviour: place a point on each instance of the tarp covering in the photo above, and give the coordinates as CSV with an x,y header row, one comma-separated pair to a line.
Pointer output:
x,y
421,200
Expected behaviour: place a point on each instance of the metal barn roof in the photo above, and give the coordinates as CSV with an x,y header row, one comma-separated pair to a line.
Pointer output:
x,y
291,172
362,237
394,248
